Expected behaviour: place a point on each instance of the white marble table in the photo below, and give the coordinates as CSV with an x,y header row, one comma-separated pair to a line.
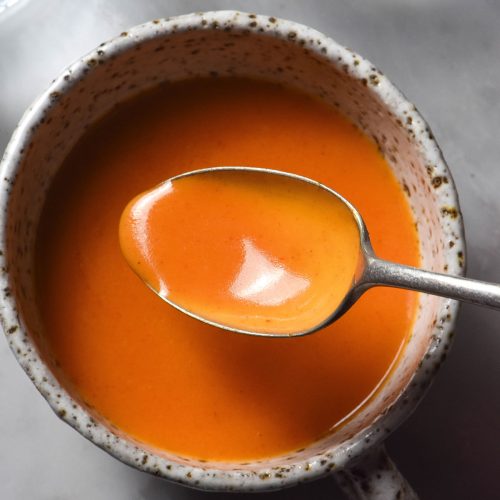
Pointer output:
x,y
445,55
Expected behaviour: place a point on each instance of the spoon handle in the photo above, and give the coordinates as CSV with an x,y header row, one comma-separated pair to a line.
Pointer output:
x,y
382,272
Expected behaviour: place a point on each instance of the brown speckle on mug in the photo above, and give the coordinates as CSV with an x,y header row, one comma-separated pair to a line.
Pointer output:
x,y
450,212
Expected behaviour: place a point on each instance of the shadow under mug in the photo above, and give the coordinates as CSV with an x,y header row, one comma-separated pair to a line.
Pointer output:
x,y
218,44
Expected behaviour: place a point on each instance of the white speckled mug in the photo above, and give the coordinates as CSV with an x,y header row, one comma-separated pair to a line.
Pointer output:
x,y
220,44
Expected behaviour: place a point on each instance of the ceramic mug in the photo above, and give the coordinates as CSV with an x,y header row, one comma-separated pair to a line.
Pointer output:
x,y
219,44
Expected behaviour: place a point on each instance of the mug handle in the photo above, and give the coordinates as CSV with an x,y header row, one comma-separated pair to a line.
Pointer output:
x,y
374,477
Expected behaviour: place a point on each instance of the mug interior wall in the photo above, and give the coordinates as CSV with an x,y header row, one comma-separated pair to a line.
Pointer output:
x,y
112,76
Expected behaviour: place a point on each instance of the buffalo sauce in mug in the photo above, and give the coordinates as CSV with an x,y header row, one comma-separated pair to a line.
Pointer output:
x,y
164,378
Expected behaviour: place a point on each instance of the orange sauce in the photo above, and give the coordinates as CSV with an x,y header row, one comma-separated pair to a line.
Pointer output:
x,y
268,253
167,379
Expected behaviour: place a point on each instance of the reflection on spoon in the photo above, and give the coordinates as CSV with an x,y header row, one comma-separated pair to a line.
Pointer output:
x,y
264,282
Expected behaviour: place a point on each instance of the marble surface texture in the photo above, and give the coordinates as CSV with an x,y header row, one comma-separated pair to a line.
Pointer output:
x,y
445,56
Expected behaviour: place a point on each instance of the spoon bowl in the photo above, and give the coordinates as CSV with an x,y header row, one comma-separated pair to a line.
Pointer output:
x,y
262,278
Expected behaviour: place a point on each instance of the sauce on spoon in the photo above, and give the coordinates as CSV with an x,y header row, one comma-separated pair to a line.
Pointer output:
x,y
244,249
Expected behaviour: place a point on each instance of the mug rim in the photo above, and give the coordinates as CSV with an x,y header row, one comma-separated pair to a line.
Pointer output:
x,y
126,450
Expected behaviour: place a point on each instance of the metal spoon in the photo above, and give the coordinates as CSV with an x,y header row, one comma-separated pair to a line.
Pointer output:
x,y
371,271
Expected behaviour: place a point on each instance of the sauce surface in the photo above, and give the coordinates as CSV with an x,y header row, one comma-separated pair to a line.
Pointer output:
x,y
167,379
267,254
